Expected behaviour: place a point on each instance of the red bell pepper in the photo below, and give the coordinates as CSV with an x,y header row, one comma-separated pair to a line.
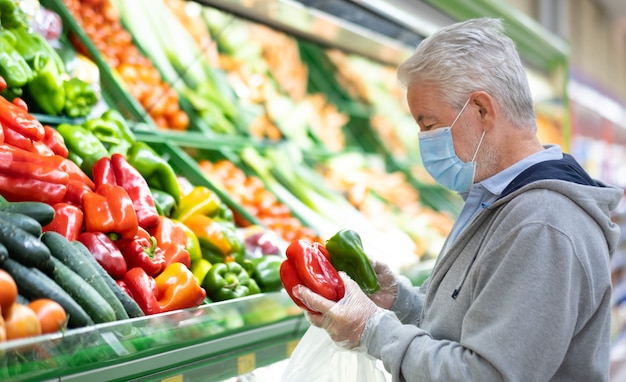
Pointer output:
x,y
308,264
75,172
290,278
26,175
40,148
102,172
68,221
137,187
15,118
172,238
143,289
177,288
55,141
34,170
142,251
105,252
75,192
17,140
110,210
116,170
24,188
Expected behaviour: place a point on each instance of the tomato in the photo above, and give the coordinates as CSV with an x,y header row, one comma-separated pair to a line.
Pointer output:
x,y
8,291
51,315
21,321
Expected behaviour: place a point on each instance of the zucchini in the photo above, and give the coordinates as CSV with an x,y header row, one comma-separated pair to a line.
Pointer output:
x,y
22,246
22,221
40,211
32,283
132,309
84,294
61,248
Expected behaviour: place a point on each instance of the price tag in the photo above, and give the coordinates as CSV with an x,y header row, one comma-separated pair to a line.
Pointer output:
x,y
176,378
246,363
291,346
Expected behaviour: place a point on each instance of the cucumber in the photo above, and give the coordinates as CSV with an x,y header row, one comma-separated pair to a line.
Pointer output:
x,y
22,246
22,221
4,253
61,248
22,300
132,309
84,294
40,211
32,283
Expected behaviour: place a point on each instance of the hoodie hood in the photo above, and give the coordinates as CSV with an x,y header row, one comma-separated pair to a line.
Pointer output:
x,y
567,177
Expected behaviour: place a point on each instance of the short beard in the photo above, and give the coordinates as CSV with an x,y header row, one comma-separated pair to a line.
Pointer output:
x,y
486,162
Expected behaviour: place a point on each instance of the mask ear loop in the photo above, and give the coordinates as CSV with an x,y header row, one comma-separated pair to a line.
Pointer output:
x,y
477,148
460,112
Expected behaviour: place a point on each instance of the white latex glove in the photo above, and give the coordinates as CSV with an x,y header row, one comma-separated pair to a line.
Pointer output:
x,y
386,296
345,319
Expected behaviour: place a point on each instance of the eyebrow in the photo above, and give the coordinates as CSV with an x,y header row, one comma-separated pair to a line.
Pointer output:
x,y
423,117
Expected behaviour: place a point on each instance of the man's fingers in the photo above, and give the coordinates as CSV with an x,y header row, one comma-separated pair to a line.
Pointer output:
x,y
312,300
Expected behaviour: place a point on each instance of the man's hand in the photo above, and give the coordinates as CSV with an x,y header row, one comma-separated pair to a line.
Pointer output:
x,y
388,292
345,319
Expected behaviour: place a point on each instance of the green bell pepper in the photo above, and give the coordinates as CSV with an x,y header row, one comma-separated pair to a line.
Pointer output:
x,y
347,254
163,202
46,88
84,147
113,131
267,272
157,172
11,15
13,67
127,137
80,98
106,131
32,45
226,281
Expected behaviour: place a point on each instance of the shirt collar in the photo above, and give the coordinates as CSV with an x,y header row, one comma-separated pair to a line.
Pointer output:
x,y
498,182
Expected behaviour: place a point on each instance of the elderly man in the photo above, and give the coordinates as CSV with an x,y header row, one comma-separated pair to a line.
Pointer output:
x,y
521,290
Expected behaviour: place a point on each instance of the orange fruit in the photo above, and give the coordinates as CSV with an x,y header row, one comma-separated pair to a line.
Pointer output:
x,y
21,321
8,291
51,315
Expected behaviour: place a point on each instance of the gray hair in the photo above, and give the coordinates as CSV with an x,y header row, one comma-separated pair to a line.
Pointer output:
x,y
471,56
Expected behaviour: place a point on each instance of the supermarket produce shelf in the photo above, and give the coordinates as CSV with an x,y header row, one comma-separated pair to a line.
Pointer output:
x,y
211,342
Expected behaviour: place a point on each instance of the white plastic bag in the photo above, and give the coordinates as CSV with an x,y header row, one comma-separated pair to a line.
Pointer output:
x,y
317,358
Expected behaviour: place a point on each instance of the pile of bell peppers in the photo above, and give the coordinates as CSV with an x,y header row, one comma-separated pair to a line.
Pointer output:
x,y
33,70
223,269
111,211
33,160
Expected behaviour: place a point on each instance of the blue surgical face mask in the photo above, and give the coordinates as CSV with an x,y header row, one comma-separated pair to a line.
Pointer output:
x,y
442,163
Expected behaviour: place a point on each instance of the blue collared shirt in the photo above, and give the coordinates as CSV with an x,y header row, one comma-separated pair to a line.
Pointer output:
x,y
483,194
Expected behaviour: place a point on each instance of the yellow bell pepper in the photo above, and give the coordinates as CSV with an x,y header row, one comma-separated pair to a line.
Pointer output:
x,y
200,200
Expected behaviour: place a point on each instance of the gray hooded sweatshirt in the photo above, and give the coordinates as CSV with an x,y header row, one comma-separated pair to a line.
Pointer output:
x,y
523,294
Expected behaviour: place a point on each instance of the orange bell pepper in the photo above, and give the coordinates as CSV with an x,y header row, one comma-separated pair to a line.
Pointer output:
x,y
172,239
177,288
110,210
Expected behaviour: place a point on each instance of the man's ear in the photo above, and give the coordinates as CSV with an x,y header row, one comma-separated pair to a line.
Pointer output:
x,y
486,109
